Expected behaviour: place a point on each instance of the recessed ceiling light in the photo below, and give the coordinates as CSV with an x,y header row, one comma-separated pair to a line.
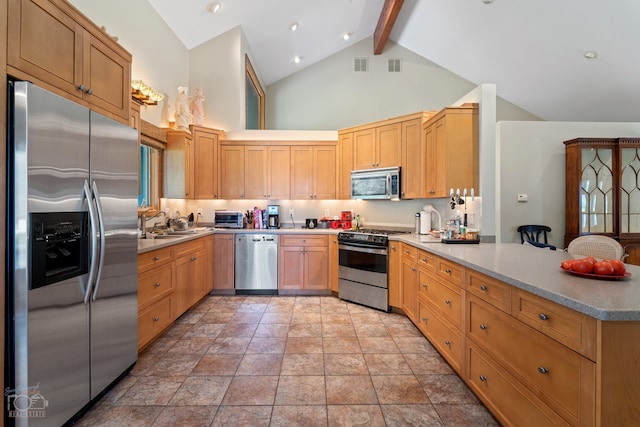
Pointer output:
x,y
346,36
214,7
296,59
293,26
590,54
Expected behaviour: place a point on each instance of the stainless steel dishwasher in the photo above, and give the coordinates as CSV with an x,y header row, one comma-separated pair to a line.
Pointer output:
x,y
256,264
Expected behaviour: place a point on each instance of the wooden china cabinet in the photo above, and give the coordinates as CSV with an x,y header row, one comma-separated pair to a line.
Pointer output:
x,y
603,191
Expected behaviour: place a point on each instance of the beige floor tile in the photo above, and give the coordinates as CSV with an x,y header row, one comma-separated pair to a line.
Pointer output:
x,y
338,330
191,346
307,416
387,364
465,415
303,316
176,364
301,390
229,345
345,364
378,345
201,391
446,389
299,330
118,416
217,364
302,364
350,390
254,416
304,345
272,330
204,330
251,390
415,345
374,330
398,389
355,415
341,345
277,317
260,364
238,330
426,364
266,345
192,416
151,391
413,415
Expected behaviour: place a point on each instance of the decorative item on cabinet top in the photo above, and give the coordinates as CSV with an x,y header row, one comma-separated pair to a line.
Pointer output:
x,y
144,93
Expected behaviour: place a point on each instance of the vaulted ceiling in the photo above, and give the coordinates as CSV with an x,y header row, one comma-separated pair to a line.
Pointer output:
x,y
534,51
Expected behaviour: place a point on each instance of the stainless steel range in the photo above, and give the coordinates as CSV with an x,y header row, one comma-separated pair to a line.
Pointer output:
x,y
364,266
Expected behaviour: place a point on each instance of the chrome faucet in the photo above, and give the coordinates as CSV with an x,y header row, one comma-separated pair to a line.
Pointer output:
x,y
143,221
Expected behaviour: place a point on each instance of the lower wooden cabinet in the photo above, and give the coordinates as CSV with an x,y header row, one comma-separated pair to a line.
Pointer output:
x,y
448,340
303,262
223,262
153,320
409,282
190,274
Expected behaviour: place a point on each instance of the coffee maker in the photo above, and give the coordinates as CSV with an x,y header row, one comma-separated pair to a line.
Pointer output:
x,y
273,216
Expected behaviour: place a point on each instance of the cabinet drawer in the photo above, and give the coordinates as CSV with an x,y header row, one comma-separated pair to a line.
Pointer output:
x,y
451,272
427,261
304,240
560,377
575,330
447,301
448,341
154,320
493,291
154,284
509,400
159,257
187,248
409,253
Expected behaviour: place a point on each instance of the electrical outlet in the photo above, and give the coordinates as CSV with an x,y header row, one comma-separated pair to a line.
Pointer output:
x,y
326,213
290,213
199,211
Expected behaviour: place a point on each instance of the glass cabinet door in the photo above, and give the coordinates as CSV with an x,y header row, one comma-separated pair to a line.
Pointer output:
x,y
597,191
629,190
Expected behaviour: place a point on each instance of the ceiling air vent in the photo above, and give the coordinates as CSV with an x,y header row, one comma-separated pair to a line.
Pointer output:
x,y
361,65
394,66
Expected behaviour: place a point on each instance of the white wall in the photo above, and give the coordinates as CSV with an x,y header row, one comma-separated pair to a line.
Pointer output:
x,y
531,160
159,57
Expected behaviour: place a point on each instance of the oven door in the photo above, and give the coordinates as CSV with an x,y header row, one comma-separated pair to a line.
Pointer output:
x,y
363,263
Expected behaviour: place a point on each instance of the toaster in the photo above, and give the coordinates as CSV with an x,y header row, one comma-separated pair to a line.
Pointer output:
x,y
228,219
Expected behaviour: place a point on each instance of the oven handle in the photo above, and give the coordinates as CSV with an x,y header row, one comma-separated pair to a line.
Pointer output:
x,y
363,247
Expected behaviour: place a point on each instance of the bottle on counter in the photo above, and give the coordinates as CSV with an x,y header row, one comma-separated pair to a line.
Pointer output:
x,y
417,222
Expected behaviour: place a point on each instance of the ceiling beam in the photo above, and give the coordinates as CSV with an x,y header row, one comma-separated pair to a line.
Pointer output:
x,y
388,16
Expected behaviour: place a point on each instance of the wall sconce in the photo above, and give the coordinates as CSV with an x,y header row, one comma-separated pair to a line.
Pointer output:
x,y
145,93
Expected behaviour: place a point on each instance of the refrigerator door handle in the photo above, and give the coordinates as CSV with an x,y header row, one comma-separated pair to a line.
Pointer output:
x,y
96,196
94,240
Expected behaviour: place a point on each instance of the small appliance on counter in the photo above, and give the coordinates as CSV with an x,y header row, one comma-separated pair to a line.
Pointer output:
x,y
228,219
311,223
273,216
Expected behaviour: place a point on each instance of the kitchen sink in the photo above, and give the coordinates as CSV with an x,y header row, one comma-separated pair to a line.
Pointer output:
x,y
164,236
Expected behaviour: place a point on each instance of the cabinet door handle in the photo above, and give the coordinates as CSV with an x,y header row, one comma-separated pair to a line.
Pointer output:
x,y
448,302
447,271
483,326
483,288
393,248
542,370
193,258
156,258
89,91
543,316
81,87
447,342
155,319
483,378
424,260
157,284
424,285
424,319
413,269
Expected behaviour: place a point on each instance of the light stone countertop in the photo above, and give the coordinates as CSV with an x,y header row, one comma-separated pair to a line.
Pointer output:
x,y
146,245
538,271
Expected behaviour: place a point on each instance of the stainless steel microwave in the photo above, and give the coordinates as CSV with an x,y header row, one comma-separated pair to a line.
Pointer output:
x,y
376,184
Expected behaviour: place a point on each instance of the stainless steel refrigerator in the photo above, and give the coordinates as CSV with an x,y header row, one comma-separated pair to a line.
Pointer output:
x,y
71,256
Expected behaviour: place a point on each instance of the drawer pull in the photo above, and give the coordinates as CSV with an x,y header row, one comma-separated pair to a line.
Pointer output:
x,y
483,378
447,271
193,258
484,288
424,319
157,284
447,301
424,260
424,285
542,370
413,269
447,342
483,326
155,319
543,316
156,258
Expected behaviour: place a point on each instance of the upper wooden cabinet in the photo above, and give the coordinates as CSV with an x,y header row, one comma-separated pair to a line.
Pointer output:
x,y
313,172
254,171
377,147
191,163
345,164
52,44
450,141
601,190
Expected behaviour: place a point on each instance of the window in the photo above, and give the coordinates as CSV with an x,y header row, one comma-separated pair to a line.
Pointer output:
x,y
149,176
254,98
